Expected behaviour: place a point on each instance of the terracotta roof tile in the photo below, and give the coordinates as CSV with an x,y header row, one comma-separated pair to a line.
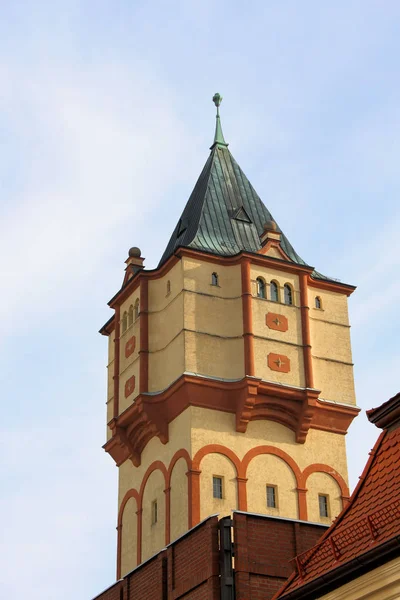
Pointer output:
x,y
371,517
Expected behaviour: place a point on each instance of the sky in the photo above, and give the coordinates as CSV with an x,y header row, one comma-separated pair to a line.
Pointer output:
x,y
105,123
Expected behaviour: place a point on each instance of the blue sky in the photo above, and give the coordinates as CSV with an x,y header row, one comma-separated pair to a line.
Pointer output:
x,y
105,123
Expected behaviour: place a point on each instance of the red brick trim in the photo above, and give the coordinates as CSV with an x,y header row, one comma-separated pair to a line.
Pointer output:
x,y
258,450
116,362
129,494
248,336
144,337
305,330
320,468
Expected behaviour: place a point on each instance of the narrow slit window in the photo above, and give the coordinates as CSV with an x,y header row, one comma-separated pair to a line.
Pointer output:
x,y
217,487
168,287
288,295
214,279
154,512
130,316
271,496
318,303
274,291
260,287
323,505
136,309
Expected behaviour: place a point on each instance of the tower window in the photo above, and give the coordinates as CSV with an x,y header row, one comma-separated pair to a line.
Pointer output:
x,y
154,512
168,287
124,322
260,287
130,316
318,303
136,309
273,286
323,505
217,487
271,496
287,294
214,279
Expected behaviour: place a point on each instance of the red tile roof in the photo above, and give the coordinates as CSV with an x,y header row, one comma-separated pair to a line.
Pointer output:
x,y
370,519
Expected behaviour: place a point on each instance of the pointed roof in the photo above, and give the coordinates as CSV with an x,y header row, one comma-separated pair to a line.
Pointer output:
x,y
224,214
367,531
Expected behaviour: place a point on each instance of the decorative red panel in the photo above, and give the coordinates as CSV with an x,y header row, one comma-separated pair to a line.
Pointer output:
x,y
129,386
130,346
278,362
275,321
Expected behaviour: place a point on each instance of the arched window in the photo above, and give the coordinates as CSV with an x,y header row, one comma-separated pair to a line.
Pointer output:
x,y
130,316
273,286
136,309
214,279
168,287
260,287
318,303
287,294
124,322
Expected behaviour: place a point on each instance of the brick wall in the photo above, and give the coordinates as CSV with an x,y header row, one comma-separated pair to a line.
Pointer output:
x,y
189,568
263,548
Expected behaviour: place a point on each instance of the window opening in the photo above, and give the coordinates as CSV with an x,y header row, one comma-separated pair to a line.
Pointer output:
x,y
318,302
217,487
214,279
154,512
136,309
168,287
260,287
323,505
274,291
130,316
271,496
124,322
287,292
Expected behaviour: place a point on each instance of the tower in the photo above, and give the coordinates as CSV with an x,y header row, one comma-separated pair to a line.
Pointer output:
x,y
230,380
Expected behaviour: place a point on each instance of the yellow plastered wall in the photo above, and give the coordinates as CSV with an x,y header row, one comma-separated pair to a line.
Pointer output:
x,y
197,278
294,353
179,499
131,477
220,466
214,315
262,307
153,533
382,583
165,324
328,374
216,427
132,370
322,483
159,298
128,537
267,469
166,365
213,356
280,277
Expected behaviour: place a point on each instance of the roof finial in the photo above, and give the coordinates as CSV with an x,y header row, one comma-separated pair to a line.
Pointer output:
x,y
219,139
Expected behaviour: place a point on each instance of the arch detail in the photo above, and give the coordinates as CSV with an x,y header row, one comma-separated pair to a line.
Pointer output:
x,y
321,468
217,449
276,452
132,493
182,453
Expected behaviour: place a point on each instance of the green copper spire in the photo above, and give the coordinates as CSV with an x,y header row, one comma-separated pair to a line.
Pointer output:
x,y
219,139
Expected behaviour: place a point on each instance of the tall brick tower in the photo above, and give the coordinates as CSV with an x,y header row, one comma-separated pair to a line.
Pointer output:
x,y
230,379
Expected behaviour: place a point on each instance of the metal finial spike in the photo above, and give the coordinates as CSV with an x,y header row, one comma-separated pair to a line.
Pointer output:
x,y
217,99
219,136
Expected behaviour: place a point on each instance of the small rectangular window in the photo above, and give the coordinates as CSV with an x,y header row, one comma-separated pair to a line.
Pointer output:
x,y
154,512
323,505
271,496
217,487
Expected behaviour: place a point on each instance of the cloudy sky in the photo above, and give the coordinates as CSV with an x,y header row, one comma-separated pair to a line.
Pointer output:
x,y
105,123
